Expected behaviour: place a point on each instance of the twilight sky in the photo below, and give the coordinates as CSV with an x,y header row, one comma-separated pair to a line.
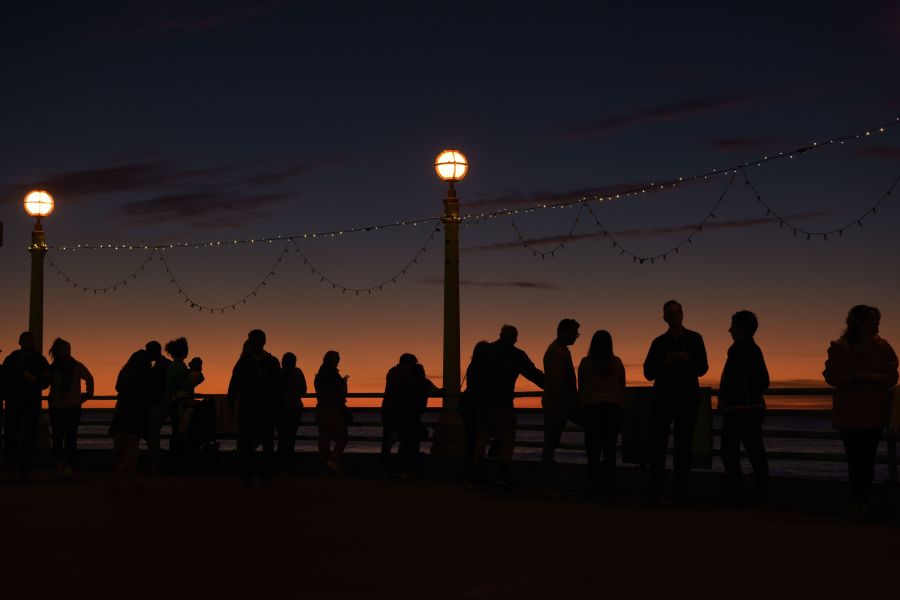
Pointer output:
x,y
159,122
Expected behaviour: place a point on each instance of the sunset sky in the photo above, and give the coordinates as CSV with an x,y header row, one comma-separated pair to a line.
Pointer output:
x,y
199,121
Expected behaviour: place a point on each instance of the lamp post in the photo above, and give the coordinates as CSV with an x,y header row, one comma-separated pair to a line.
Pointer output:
x,y
38,204
451,166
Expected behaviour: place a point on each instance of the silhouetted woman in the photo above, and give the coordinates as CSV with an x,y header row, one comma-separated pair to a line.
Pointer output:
x,y
478,390
131,419
293,387
64,402
601,392
178,389
863,368
331,411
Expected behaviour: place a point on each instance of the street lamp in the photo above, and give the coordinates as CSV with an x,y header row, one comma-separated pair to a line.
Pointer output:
x,y
451,166
38,204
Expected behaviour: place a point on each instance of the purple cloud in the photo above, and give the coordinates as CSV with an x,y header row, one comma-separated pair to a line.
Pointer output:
x,y
522,284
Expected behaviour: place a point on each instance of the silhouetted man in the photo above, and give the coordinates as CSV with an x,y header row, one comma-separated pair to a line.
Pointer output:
x,y
25,374
256,383
159,407
560,399
674,364
744,380
495,413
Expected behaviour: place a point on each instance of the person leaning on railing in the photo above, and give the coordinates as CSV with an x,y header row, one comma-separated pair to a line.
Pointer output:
x,y
64,403
863,368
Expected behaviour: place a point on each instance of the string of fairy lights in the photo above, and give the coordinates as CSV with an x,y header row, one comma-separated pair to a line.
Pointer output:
x,y
290,246
584,204
837,231
325,279
687,240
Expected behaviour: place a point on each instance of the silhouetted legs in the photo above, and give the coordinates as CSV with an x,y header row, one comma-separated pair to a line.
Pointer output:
x,y
64,423
500,424
332,429
256,430
682,412
602,423
158,413
21,414
470,474
861,446
287,437
125,452
744,426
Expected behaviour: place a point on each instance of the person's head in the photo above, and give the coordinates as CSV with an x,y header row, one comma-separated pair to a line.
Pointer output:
x,y
289,360
177,348
256,341
407,360
60,350
26,341
862,323
567,331
673,314
331,359
480,350
139,361
601,348
743,325
154,349
196,364
509,335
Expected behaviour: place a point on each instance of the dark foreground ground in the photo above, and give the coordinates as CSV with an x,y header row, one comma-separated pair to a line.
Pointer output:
x,y
313,537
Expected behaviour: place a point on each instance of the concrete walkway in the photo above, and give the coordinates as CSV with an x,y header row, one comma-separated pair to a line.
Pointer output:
x,y
313,537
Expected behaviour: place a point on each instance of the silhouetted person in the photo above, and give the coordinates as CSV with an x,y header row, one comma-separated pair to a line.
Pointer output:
x,y
331,412
675,362
478,389
64,403
256,383
159,408
745,379
26,373
180,383
293,388
131,417
560,399
862,367
601,393
405,400
495,414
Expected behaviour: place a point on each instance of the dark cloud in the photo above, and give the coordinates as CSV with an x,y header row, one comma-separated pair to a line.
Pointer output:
x,y
879,151
155,174
666,112
648,231
530,285
205,209
293,171
137,20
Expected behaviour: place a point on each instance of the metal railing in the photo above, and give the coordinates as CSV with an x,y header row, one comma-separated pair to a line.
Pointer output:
x,y
370,420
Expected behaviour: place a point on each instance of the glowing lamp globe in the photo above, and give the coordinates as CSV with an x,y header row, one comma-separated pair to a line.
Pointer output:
x,y
451,165
38,203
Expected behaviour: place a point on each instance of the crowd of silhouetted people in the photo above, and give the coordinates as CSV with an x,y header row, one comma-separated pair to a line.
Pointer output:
x,y
266,395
